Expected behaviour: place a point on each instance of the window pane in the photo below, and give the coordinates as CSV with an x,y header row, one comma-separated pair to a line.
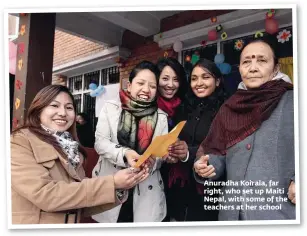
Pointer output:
x,y
89,108
77,99
75,83
110,75
92,77
114,75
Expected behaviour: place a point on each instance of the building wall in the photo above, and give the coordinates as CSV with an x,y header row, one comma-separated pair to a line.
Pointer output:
x,y
68,47
146,49
141,49
188,17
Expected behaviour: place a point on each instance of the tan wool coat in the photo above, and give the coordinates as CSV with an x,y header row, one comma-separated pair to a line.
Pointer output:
x,y
45,188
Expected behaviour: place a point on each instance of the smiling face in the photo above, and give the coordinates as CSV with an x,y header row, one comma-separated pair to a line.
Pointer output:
x,y
168,83
257,64
143,86
203,83
59,115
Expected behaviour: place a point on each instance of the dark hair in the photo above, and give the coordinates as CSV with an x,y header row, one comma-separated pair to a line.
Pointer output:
x,y
219,94
270,41
210,67
84,116
42,99
144,65
180,73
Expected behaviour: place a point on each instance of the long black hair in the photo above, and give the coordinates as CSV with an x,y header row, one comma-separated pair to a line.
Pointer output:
x,y
219,96
144,65
180,73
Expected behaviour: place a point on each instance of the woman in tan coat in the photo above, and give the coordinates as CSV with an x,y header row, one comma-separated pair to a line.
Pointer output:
x,y
48,183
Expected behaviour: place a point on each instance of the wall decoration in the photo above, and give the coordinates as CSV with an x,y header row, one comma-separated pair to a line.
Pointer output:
x,y
270,14
214,19
271,26
177,46
212,35
98,91
17,103
22,30
225,68
21,48
239,43
224,36
195,58
258,34
219,58
15,123
187,58
284,36
18,84
92,86
20,64
219,28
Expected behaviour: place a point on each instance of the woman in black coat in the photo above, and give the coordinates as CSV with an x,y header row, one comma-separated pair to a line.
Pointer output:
x,y
85,130
205,96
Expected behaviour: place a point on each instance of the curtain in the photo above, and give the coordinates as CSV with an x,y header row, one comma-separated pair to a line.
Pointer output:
x,y
286,66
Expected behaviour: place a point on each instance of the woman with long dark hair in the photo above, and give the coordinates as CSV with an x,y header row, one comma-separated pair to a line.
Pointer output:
x,y
205,96
85,130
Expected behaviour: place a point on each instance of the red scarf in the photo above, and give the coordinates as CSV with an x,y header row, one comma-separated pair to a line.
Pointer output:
x,y
168,106
241,115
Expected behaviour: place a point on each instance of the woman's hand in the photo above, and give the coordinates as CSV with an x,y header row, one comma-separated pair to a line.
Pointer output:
x,y
129,177
149,163
178,150
291,192
170,159
202,169
132,157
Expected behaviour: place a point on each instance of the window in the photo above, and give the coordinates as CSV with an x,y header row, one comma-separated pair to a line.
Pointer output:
x,y
232,56
79,87
13,26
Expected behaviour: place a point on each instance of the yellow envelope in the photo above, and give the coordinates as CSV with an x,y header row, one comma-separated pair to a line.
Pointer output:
x,y
159,146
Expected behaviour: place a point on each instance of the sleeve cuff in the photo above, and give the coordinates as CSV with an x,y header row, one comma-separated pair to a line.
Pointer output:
x,y
187,158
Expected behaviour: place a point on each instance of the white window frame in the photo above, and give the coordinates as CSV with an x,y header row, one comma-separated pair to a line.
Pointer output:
x,y
15,36
82,92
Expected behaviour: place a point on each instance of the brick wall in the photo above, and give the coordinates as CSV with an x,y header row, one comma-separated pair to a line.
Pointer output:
x,y
141,49
68,47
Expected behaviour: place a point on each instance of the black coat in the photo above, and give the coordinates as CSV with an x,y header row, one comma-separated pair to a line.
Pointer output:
x,y
185,203
86,135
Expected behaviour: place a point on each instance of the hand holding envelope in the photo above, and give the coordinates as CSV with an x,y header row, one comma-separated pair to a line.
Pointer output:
x,y
160,144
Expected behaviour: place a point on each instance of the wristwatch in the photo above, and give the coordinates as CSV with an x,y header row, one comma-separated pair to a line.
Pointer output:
x,y
120,194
